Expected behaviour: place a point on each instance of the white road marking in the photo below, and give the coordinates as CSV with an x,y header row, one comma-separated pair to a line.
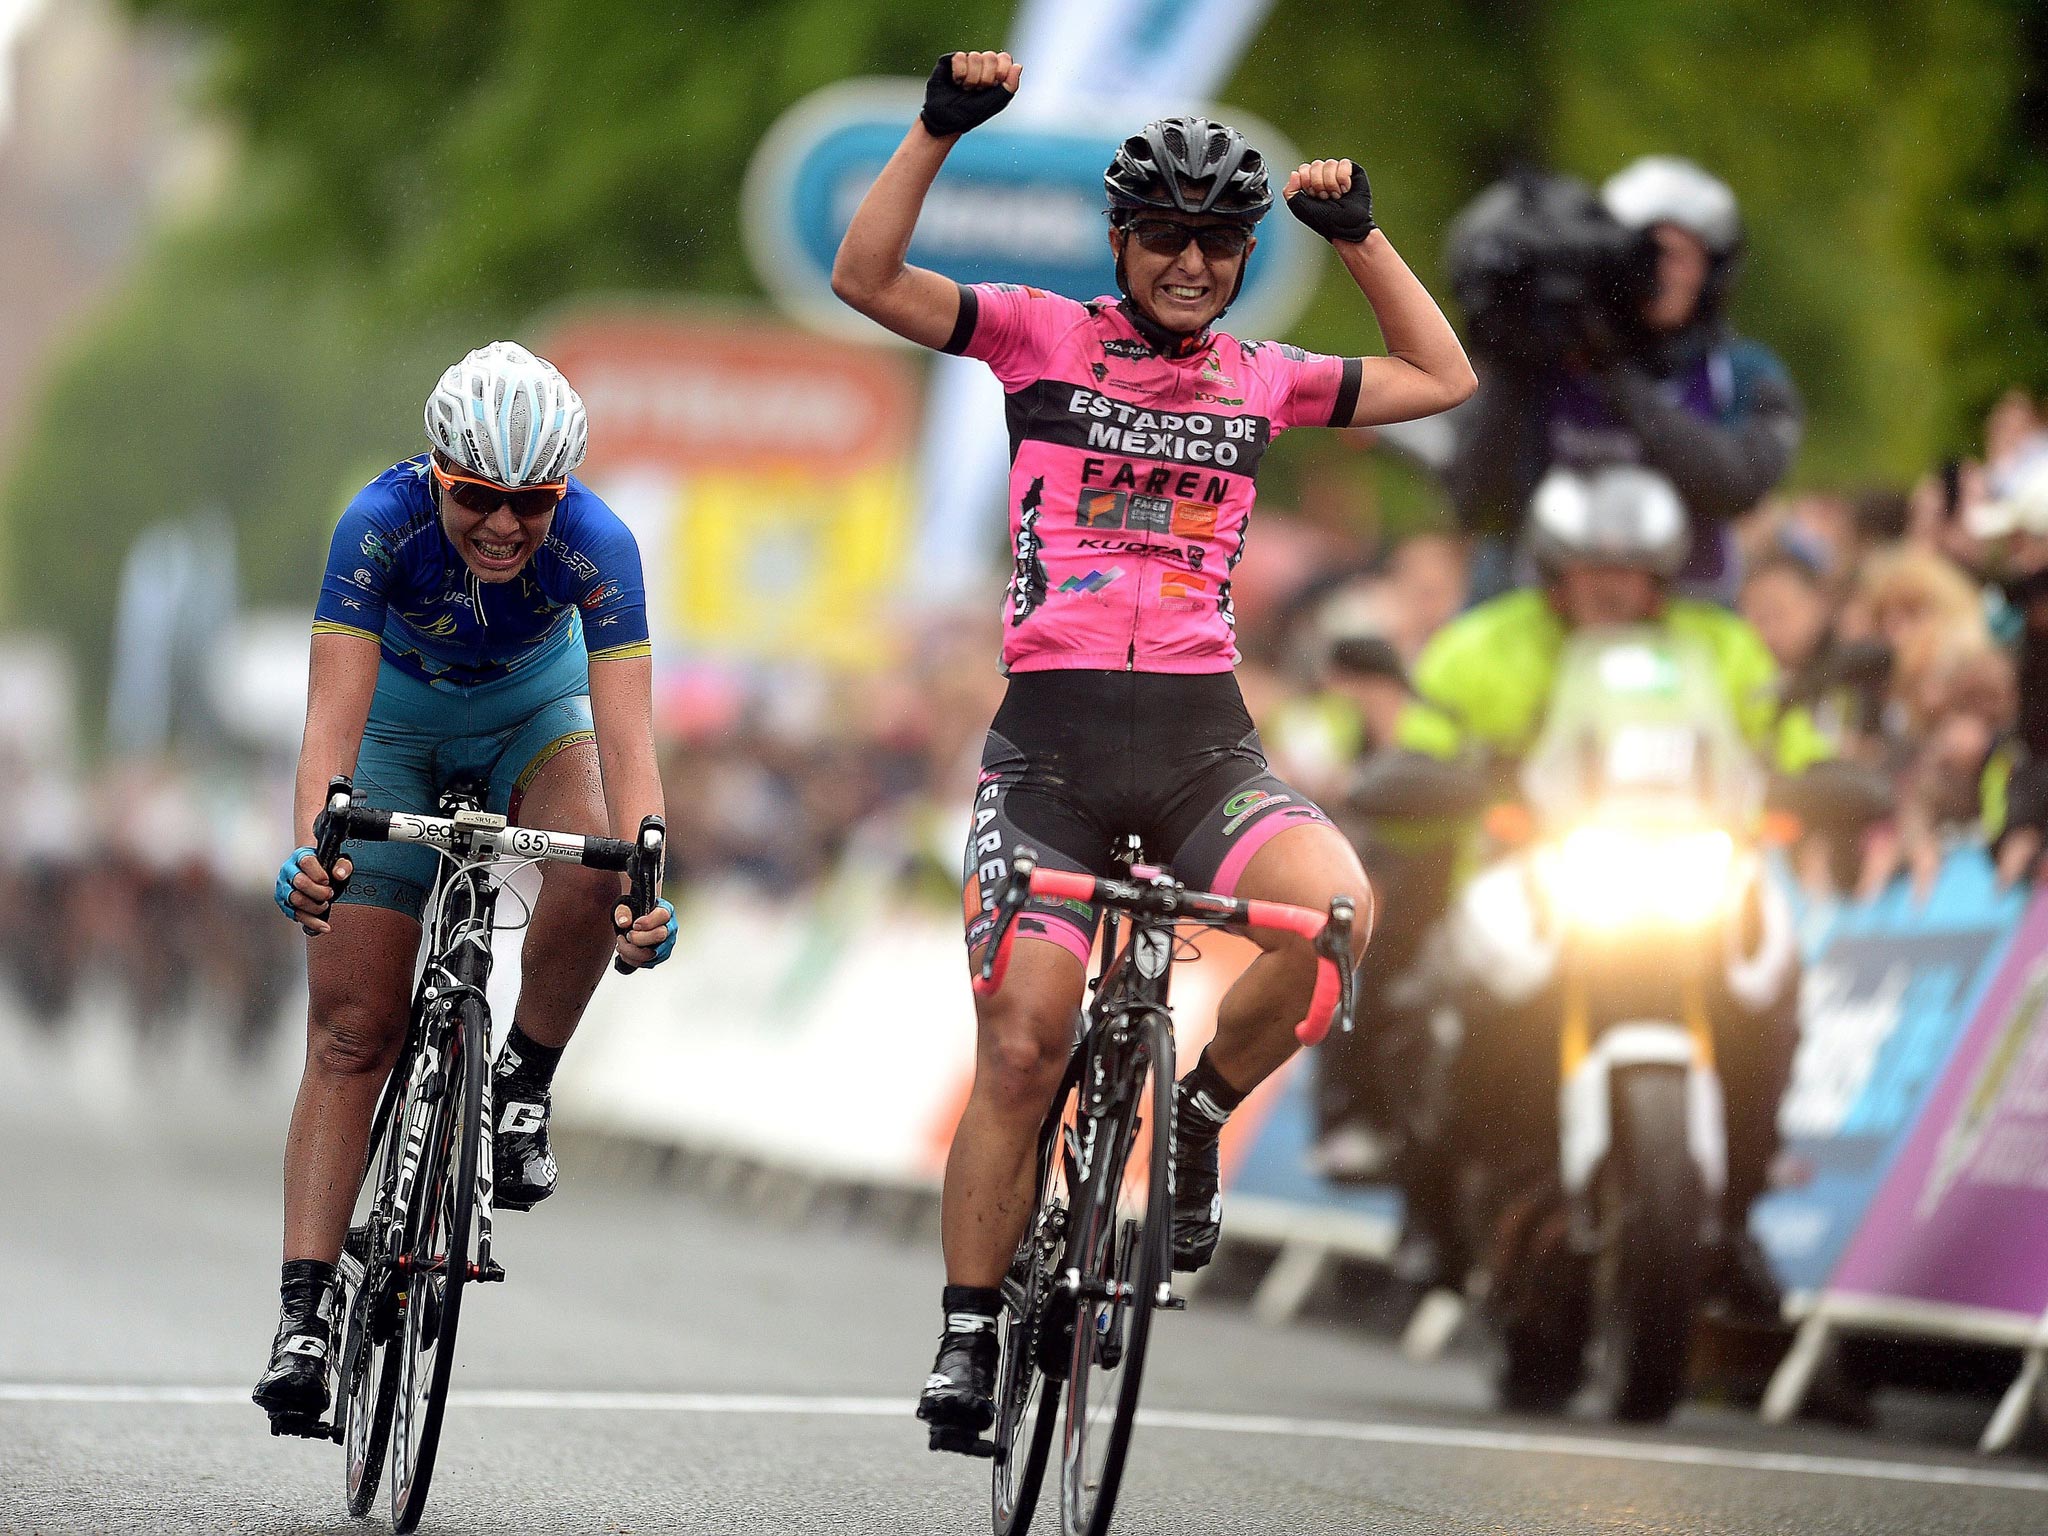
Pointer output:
x,y
1418,1436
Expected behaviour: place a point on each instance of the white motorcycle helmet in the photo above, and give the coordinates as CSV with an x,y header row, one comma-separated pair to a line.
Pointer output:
x,y
1665,189
509,417
1621,514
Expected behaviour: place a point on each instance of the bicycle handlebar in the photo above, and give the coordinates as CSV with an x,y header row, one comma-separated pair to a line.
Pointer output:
x,y
1329,934
489,835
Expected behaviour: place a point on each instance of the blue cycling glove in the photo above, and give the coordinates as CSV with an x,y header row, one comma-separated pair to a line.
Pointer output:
x,y
667,946
283,894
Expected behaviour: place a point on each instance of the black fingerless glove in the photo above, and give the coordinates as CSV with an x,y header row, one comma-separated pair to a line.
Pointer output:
x,y
1336,218
950,107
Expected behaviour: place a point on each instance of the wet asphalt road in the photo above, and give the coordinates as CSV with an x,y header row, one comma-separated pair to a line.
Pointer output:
x,y
663,1362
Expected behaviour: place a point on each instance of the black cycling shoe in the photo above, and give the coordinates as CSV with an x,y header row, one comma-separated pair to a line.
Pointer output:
x,y
959,1397
295,1384
1197,1195
522,1163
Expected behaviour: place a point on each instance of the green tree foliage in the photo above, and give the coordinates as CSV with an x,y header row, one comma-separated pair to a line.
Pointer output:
x,y
1986,222
419,177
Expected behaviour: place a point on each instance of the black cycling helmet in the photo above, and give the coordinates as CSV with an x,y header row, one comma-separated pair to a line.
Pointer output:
x,y
1188,165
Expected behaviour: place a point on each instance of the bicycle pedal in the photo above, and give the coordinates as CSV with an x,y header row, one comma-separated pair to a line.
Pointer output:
x,y
304,1426
961,1441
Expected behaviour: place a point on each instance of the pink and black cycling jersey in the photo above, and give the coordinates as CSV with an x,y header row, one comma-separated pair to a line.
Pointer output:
x,y
1131,475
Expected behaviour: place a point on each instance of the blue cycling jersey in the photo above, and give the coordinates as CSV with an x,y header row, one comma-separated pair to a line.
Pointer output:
x,y
393,577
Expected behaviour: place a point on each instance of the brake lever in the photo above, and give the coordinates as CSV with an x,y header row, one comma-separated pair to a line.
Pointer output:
x,y
330,829
1334,945
1010,900
649,849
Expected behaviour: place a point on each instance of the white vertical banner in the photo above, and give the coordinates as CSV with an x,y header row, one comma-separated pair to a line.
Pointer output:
x,y
1138,59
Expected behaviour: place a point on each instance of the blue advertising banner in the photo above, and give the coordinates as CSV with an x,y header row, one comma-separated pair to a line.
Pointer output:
x,y
1889,987
1017,202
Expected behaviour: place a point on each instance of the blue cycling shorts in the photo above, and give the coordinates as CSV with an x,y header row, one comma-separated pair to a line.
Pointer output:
x,y
423,736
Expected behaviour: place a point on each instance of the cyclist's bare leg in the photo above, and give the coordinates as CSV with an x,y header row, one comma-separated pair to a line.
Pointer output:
x,y
1024,1034
359,976
1305,865
570,937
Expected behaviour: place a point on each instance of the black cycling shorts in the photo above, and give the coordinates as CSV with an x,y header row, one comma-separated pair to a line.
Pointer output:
x,y
1077,760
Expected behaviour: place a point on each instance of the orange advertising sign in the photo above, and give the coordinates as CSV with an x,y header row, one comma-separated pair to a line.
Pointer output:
x,y
698,389
764,470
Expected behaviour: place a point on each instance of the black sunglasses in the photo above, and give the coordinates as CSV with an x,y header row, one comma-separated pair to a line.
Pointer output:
x,y
473,495
1169,237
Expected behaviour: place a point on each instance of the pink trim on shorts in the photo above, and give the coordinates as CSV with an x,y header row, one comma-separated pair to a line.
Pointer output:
x,y
1256,837
1063,931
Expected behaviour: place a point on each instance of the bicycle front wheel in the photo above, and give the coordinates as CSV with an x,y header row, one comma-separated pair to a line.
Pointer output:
x,y
1117,1253
368,1388
1025,1411
438,1265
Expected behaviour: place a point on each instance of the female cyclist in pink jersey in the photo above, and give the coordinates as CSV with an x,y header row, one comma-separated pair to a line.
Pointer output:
x,y
1136,432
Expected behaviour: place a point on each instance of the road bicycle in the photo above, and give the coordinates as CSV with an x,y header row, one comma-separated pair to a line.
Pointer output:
x,y
423,1229
1096,1259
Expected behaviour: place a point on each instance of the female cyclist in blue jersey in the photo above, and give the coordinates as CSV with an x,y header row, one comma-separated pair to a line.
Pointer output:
x,y
482,617
1136,432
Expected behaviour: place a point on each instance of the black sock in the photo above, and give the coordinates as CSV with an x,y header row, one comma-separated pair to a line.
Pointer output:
x,y
1205,1100
525,1061
971,1308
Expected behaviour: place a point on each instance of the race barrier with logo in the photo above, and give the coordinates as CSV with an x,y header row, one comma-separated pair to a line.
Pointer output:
x,y
1889,985
1954,1242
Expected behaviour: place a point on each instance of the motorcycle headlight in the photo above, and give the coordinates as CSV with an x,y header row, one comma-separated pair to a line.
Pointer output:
x,y
1619,877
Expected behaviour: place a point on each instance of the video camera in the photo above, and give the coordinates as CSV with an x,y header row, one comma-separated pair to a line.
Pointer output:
x,y
1542,269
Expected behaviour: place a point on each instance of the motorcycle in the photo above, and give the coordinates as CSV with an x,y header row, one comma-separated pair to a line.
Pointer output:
x,y
1630,909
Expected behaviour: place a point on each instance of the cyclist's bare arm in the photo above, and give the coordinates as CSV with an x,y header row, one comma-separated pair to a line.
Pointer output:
x,y
1425,369
870,272
339,686
622,715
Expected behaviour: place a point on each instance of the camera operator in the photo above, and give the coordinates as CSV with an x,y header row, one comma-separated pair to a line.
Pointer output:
x,y
1598,330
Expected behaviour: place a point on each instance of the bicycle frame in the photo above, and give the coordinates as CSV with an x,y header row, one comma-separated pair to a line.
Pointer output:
x,y
455,965
1129,984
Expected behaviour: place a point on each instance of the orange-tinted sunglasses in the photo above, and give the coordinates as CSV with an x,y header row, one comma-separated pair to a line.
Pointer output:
x,y
486,496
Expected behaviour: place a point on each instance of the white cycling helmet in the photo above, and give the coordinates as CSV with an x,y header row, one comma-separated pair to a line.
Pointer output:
x,y
1620,515
509,417
1664,189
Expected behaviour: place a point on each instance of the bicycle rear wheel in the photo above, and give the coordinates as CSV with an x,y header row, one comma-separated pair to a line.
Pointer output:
x,y
439,1265
1025,1411
1117,1245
